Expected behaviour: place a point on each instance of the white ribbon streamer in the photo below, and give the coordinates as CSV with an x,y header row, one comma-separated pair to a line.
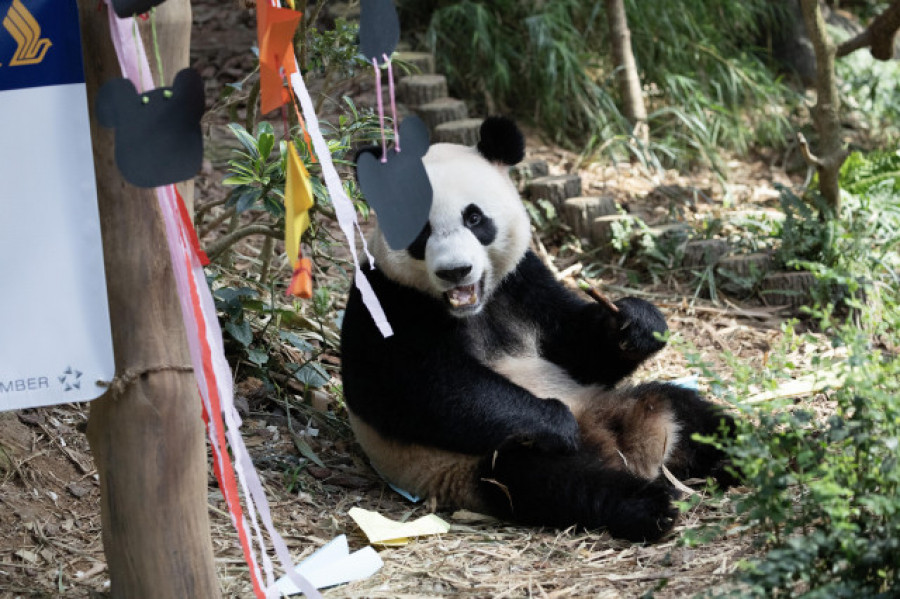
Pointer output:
x,y
189,273
343,207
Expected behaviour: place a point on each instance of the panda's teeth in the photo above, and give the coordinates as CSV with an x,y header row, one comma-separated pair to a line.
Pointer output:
x,y
462,296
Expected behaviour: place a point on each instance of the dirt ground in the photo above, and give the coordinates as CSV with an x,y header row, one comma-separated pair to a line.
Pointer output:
x,y
50,537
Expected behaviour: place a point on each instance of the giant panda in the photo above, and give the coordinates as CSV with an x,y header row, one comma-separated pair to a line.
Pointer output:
x,y
499,390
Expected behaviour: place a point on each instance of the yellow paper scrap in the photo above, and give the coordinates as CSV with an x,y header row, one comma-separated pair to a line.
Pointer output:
x,y
384,531
298,199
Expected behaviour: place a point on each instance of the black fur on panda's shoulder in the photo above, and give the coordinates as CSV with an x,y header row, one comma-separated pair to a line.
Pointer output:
x,y
501,141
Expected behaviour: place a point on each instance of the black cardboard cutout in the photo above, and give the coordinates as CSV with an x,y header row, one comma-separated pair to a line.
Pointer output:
x,y
399,190
158,142
379,29
128,8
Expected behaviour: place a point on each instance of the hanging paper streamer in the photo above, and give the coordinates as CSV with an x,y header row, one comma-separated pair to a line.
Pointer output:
x,y
211,368
298,199
275,35
344,210
297,202
157,133
343,207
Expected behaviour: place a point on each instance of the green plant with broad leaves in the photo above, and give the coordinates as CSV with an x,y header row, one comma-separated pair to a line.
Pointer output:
x,y
822,497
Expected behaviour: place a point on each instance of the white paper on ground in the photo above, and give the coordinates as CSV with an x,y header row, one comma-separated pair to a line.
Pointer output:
x,y
333,564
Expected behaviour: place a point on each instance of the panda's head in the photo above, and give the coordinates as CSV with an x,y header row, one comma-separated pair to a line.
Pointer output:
x,y
478,229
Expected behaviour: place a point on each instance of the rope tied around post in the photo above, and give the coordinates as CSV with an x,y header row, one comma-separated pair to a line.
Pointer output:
x,y
120,383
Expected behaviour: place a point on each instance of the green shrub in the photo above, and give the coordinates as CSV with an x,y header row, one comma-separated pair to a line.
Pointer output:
x,y
823,477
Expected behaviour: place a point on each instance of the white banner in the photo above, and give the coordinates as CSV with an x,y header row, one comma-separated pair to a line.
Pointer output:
x,y
55,338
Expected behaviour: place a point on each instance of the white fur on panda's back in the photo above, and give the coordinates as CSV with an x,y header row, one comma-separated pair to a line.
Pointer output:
x,y
460,177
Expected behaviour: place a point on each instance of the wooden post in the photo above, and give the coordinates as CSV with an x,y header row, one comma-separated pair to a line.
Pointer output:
x,y
147,437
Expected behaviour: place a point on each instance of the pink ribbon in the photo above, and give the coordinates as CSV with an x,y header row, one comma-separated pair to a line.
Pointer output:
x,y
190,277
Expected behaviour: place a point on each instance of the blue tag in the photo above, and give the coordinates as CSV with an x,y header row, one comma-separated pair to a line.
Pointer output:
x,y
40,44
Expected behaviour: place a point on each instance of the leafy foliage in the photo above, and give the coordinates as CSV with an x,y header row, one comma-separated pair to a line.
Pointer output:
x,y
869,90
548,61
825,489
861,172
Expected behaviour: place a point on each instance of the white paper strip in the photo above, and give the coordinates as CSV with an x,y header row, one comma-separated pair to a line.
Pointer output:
x,y
333,564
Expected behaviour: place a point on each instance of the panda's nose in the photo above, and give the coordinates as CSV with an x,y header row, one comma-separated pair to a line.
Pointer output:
x,y
454,275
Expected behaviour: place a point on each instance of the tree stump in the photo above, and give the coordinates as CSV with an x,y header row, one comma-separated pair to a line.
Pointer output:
x,y
740,274
746,265
466,132
556,188
579,213
527,171
416,90
422,63
440,111
787,288
704,252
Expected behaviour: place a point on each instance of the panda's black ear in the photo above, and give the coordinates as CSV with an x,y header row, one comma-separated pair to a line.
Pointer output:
x,y
501,141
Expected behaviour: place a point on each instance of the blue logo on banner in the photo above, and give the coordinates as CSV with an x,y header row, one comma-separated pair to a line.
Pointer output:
x,y
40,43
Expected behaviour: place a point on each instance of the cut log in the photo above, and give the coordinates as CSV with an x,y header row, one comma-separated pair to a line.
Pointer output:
x,y
556,188
704,252
579,213
746,265
422,63
442,110
466,132
740,274
527,171
787,288
416,90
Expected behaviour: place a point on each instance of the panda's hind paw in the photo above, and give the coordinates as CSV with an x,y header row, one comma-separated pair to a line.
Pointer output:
x,y
646,516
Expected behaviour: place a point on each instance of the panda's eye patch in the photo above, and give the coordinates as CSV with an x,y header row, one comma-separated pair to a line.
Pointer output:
x,y
417,248
481,225
472,216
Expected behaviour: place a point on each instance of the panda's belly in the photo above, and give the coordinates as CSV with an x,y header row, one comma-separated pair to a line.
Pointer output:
x,y
544,379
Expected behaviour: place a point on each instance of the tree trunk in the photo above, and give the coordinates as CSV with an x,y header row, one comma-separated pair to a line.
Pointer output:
x,y
147,436
826,112
626,69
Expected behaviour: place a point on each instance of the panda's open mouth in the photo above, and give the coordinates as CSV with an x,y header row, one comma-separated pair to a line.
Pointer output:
x,y
465,297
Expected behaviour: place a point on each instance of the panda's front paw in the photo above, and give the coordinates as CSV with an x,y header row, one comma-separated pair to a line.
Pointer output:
x,y
638,325
557,432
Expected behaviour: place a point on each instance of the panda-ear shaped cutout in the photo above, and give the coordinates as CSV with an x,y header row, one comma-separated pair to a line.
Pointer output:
x,y
398,189
379,29
157,133
112,94
501,141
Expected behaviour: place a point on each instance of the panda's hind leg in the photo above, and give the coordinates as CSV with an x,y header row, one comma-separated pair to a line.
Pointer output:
x,y
632,429
640,428
690,458
525,484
